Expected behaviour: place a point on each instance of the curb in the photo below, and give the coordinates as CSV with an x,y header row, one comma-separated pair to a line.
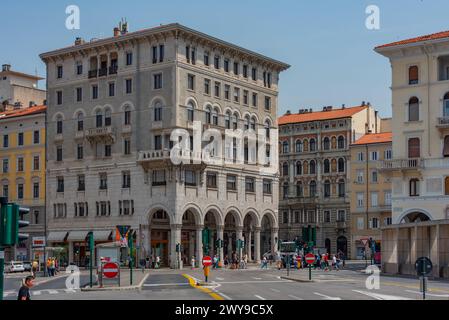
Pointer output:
x,y
127,288
298,280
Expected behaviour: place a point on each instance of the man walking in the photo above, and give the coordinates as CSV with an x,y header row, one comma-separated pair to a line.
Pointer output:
x,y
24,291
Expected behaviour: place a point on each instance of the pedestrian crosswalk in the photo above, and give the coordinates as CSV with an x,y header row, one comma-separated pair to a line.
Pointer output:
x,y
42,292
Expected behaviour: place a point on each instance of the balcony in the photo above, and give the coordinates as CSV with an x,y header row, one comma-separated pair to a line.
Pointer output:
x,y
401,164
113,69
441,163
79,135
126,129
161,159
93,74
102,134
299,200
341,224
103,72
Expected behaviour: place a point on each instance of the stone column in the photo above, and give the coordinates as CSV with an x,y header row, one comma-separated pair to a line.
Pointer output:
x,y
175,261
211,243
248,245
414,245
70,253
230,248
220,235
239,236
199,245
274,239
191,246
434,249
257,245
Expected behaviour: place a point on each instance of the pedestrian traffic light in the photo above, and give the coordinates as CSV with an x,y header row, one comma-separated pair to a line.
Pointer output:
x,y
11,222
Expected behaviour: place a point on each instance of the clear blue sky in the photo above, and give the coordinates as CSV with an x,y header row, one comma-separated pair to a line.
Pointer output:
x,y
325,41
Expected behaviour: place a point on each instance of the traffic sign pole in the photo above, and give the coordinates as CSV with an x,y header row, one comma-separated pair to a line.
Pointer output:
x,y
2,270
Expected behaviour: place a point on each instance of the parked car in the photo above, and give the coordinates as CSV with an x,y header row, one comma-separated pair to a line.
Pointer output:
x,y
14,266
27,265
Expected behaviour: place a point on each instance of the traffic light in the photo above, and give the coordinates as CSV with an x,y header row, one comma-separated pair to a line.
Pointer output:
x,y
10,224
178,247
219,243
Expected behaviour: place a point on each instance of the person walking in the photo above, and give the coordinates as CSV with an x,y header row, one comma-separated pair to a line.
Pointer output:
x,y
34,268
158,261
24,291
264,263
192,262
335,262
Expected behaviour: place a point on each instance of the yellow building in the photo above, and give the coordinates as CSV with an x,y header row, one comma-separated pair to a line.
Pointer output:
x,y
370,192
22,172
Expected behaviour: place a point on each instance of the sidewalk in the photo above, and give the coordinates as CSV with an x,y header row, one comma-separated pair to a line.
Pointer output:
x,y
138,276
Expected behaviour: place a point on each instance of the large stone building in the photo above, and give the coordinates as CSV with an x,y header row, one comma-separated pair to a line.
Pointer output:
x,y
112,106
22,174
419,170
19,90
370,192
314,170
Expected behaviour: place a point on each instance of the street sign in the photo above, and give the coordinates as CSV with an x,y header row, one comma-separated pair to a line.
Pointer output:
x,y
110,270
364,241
310,258
423,266
38,242
207,261
288,247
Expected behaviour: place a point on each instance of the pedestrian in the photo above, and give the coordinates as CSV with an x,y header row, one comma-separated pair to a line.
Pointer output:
x,y
158,261
264,263
215,265
24,291
226,262
34,268
334,262
192,262
206,270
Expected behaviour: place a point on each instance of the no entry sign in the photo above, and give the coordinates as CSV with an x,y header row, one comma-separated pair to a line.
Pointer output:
x,y
110,270
207,261
310,258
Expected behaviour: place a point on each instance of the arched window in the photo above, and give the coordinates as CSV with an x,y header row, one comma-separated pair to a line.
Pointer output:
x,y
446,147
228,120
285,147
267,128
341,165
253,124
215,117
157,111
414,149
127,116
312,145
285,169
299,189
312,167
235,119
298,168
414,188
306,145
341,142
334,165
107,117
312,189
446,186
208,114
59,125
99,119
413,75
413,109
446,105
327,189
327,166
334,143
326,144
285,190
190,112
80,122
341,188
247,122
298,146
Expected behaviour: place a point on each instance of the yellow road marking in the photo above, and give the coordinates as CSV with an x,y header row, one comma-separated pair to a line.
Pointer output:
x,y
192,282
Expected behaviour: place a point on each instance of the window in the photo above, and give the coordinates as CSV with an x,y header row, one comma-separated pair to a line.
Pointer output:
x,y
158,142
127,116
159,178
249,184
341,165
226,65
111,89
157,81
20,191
211,180
215,117
267,103
154,54
59,126
387,197
341,189
254,74
285,190
103,181
206,59
60,184
414,149
227,92
360,200
285,217
285,147
127,146
236,68
326,143
79,94
360,156
341,142
285,169
103,208
359,176
20,164
161,53
254,102
312,145
388,154
5,165
107,150
374,199
81,182
5,141
341,215
414,188
107,118
267,186
326,166
129,58
79,68
60,72
217,89
190,178
312,189
36,163
245,71
35,190
327,189
312,167
299,189
231,183
298,168
413,109
207,86
446,105
158,112
59,153
245,97
269,80
413,75
191,82
327,216
193,55
208,114
228,120
126,207
126,179
36,137
20,139
375,223
6,191
190,112
129,86
217,62
58,98
374,155
374,176
237,95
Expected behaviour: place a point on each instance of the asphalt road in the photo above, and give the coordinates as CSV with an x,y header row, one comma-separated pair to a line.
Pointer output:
x,y
255,284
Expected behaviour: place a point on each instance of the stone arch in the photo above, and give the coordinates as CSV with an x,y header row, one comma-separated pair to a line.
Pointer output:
x,y
272,217
96,109
218,107
254,216
110,107
218,214
77,112
195,210
157,207
193,101
157,99
127,104
237,216
57,115
414,215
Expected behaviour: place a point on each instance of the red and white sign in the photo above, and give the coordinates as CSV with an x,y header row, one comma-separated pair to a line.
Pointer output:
x,y
298,258
207,261
110,270
310,258
364,241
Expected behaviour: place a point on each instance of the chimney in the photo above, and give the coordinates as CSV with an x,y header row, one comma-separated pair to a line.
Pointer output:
x,y
310,110
116,32
6,67
78,41
288,112
343,106
363,103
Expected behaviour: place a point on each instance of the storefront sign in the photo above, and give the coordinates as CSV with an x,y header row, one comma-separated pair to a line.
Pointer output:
x,y
38,242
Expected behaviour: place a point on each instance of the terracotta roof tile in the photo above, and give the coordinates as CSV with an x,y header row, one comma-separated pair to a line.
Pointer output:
x,y
320,115
374,138
22,112
434,36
